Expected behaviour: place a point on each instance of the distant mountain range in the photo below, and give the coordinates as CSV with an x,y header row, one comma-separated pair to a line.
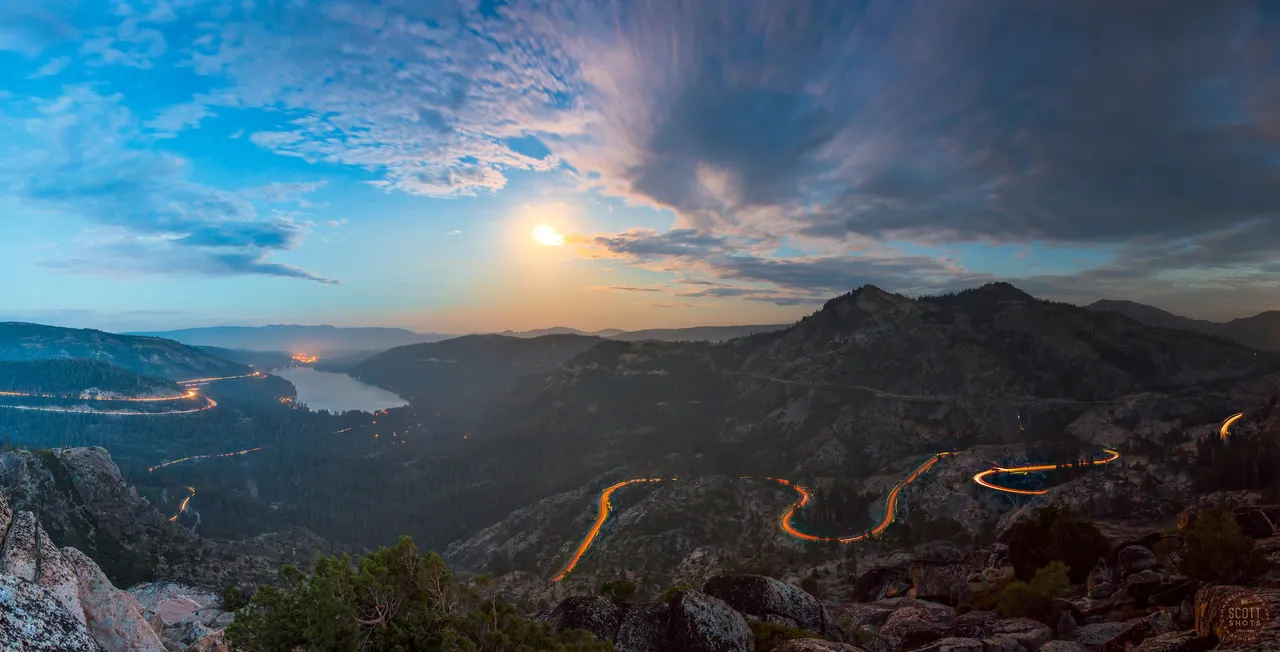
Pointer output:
x,y
1261,331
328,341
150,356
312,340
712,334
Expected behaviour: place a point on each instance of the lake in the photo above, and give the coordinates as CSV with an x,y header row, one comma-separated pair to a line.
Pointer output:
x,y
325,390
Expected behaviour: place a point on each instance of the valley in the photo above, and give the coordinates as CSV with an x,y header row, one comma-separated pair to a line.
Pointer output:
x,y
879,423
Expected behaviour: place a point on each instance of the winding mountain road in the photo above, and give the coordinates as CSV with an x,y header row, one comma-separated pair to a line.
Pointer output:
x,y
891,505
183,507
981,478
1226,425
190,394
209,405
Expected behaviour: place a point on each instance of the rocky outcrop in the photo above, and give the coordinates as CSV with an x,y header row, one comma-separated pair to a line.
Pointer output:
x,y
83,502
1133,559
702,623
1063,646
954,645
815,645
32,619
28,554
1218,610
1160,622
915,625
772,601
591,613
1183,641
114,617
59,599
644,627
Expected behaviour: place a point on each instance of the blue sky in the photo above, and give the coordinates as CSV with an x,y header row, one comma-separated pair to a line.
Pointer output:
x,y
176,163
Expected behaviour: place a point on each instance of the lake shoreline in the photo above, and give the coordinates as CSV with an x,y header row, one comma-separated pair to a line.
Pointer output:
x,y
338,393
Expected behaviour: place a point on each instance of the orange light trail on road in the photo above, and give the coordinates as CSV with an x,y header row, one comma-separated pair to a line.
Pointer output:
x,y
202,457
210,380
890,506
191,393
605,506
1226,425
981,478
183,507
115,413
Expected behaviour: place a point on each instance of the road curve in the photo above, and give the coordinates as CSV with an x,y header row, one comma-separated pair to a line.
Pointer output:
x,y
891,504
890,507
183,507
191,393
605,506
209,405
981,478
1226,425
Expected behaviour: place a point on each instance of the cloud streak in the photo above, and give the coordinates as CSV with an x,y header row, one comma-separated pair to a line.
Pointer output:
x,y
84,162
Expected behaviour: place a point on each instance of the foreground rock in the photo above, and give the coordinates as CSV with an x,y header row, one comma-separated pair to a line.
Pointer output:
x,y
84,501
770,600
702,623
59,599
31,618
1216,617
182,614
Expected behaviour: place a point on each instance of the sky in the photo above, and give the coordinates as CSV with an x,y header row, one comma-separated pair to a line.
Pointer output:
x,y
175,163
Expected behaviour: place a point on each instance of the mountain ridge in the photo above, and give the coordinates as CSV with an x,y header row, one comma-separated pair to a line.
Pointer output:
x,y
1260,331
149,356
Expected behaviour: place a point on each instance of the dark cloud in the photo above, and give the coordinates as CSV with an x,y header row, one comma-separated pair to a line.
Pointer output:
x,y
1090,121
649,244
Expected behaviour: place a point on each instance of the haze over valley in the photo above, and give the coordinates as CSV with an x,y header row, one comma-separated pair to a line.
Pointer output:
x,y
646,326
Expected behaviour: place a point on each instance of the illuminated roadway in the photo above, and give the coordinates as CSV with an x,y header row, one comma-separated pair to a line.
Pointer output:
x,y
1226,425
891,504
190,393
209,405
981,478
605,506
183,507
203,457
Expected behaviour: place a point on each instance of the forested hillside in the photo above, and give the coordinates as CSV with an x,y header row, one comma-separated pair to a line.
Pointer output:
x,y
72,376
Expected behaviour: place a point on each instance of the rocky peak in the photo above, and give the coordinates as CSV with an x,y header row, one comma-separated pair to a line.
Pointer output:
x,y
53,599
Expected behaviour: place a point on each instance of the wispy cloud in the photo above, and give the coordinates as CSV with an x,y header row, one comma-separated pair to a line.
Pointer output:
x,y
86,161
50,68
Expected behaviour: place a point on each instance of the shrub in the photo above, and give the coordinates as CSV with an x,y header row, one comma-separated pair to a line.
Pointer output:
x,y
1215,550
769,635
1052,581
1035,599
232,597
985,600
618,590
394,599
674,592
1018,600
1054,534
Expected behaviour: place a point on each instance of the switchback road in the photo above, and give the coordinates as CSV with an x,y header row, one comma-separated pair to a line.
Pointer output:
x,y
981,478
1226,425
891,504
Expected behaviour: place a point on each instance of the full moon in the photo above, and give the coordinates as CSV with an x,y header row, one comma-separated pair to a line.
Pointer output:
x,y
547,236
